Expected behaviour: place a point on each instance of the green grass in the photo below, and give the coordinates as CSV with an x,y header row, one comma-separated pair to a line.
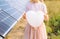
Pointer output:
x,y
53,29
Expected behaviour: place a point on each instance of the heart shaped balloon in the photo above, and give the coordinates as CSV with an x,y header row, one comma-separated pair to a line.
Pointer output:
x,y
35,18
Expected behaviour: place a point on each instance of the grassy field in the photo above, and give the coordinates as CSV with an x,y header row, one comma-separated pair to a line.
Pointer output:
x,y
53,29
54,12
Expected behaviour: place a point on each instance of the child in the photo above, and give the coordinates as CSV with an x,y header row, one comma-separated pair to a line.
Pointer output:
x,y
41,30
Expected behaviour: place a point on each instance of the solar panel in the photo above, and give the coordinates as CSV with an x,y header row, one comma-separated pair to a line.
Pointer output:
x,y
10,12
6,22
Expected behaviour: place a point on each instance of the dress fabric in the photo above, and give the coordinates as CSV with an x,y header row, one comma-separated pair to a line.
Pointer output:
x,y
40,33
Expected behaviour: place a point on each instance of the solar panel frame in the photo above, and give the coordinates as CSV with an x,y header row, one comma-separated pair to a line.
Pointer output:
x,y
1,37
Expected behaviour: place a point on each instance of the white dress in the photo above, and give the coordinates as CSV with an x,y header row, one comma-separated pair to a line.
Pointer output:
x,y
40,33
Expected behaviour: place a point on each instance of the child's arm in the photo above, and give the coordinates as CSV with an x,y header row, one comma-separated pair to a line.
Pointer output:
x,y
46,17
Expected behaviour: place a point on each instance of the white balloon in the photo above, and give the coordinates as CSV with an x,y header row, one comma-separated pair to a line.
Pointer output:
x,y
35,18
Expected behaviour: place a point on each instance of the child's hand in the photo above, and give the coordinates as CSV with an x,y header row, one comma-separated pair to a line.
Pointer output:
x,y
46,17
35,28
24,16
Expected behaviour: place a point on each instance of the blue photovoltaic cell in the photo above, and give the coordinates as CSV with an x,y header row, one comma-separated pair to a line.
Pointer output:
x,y
9,21
1,2
3,15
16,16
11,11
3,27
5,6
